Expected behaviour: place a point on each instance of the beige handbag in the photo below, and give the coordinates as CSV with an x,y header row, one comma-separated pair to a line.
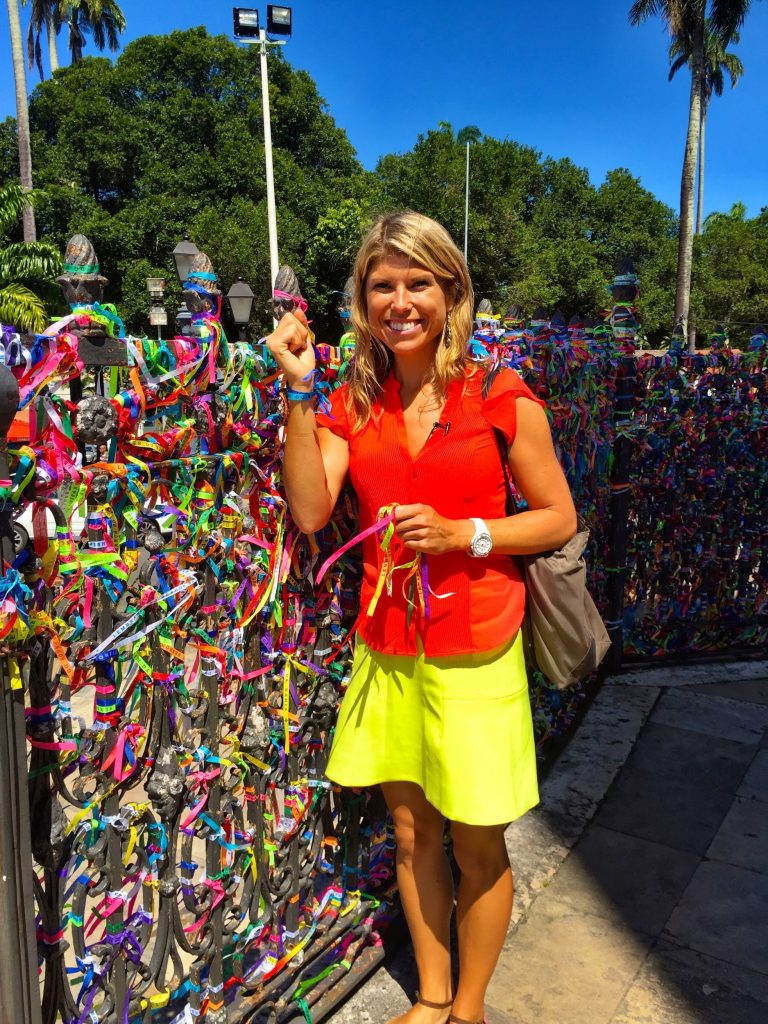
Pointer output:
x,y
563,634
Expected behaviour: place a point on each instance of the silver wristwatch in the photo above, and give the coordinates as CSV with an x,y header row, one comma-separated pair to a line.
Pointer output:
x,y
481,543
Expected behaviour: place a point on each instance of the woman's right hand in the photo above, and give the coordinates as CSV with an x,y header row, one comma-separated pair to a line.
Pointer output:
x,y
290,345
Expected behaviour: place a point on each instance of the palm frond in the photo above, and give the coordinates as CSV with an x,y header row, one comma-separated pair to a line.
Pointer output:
x,y
22,308
102,19
727,17
34,50
106,32
642,9
734,67
677,15
29,260
13,201
714,82
681,61
716,58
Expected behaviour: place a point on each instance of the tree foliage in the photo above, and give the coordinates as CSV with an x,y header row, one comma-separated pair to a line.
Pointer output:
x,y
540,234
168,140
730,282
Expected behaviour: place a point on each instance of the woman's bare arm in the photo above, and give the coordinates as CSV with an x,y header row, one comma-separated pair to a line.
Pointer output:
x,y
315,461
315,464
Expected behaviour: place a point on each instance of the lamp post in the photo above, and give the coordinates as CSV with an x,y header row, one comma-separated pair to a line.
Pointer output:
x,y
466,207
184,320
247,30
468,135
157,314
240,299
183,255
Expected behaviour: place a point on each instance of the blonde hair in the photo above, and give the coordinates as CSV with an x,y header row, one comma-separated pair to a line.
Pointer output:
x,y
426,244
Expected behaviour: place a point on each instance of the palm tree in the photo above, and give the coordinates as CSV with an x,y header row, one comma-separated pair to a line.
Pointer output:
x,y
23,261
22,115
716,61
103,19
44,14
468,135
687,19
737,214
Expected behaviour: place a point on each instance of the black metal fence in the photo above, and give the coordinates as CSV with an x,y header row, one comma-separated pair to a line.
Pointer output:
x,y
176,672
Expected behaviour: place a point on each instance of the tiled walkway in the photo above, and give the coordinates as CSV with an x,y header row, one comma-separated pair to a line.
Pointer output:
x,y
642,878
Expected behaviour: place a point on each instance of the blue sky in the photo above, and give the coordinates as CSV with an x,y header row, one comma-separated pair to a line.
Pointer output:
x,y
569,78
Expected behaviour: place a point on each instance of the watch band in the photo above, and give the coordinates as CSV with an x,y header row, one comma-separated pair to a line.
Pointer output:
x,y
481,544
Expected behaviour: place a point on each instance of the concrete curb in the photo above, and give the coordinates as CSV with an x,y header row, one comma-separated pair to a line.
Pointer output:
x,y
696,674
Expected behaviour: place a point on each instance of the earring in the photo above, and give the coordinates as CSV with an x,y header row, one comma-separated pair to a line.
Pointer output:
x,y
448,330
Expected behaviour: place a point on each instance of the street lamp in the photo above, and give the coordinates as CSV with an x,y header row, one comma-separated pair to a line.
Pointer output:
x,y
184,320
183,255
240,299
156,288
279,21
158,317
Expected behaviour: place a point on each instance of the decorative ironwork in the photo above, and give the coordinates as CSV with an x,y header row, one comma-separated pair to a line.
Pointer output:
x,y
183,677
182,670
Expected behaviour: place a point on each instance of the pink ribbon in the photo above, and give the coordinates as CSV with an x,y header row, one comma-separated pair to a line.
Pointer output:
x,y
377,527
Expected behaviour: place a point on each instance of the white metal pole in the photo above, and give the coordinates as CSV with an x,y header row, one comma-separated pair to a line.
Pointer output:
x,y
274,262
466,209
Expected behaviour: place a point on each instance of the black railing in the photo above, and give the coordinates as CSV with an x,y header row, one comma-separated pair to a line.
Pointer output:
x,y
182,671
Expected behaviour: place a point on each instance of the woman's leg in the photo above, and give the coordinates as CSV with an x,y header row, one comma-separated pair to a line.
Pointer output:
x,y
426,890
483,910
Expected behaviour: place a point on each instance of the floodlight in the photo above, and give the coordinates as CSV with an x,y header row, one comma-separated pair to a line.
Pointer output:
x,y
278,20
246,22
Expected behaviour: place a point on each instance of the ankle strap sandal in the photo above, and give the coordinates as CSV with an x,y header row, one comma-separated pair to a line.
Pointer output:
x,y
431,1005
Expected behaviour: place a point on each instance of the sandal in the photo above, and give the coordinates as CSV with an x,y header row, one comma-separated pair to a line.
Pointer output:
x,y
460,1020
433,1006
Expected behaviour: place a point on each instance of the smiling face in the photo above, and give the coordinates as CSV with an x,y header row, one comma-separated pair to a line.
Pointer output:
x,y
406,305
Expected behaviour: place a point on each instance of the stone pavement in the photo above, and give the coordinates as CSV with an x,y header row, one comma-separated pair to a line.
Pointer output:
x,y
642,877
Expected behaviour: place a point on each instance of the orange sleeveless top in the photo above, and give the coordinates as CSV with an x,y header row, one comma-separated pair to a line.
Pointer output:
x,y
474,604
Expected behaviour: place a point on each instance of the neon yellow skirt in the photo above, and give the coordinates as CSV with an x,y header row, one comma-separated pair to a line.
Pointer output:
x,y
459,727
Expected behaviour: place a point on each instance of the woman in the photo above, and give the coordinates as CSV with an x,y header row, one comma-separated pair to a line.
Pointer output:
x,y
437,708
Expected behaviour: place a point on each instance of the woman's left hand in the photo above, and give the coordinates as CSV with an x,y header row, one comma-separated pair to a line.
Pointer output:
x,y
422,529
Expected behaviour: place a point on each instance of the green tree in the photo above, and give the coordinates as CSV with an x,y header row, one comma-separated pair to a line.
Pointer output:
x,y
22,115
730,284
23,263
168,140
629,221
337,236
716,61
686,19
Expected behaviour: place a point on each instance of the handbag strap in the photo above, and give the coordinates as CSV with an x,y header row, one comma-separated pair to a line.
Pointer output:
x,y
510,505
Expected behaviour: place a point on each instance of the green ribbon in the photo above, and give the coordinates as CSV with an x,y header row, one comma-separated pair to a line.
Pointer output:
x,y
89,268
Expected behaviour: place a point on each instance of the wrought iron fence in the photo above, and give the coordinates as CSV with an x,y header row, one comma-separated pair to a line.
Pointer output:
x,y
182,674
697,578
182,670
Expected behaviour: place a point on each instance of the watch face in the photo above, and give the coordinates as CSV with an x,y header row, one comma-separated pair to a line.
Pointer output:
x,y
481,545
